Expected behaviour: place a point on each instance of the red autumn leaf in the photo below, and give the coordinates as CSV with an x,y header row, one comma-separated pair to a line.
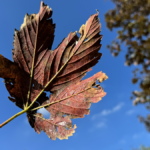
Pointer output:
x,y
59,71
75,102
49,62
85,94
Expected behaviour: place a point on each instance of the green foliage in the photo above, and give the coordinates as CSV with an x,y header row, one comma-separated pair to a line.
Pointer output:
x,y
132,17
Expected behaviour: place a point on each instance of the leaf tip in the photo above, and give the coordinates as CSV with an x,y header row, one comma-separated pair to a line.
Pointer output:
x,y
97,11
103,77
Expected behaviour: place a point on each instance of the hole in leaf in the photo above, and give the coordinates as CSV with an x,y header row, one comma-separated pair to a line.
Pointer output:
x,y
96,85
64,115
97,82
44,112
85,39
11,83
37,103
56,128
47,94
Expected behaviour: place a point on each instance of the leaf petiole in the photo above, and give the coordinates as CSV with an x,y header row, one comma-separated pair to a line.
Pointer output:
x,y
13,117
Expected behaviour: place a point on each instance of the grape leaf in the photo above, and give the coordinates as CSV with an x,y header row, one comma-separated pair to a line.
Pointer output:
x,y
57,71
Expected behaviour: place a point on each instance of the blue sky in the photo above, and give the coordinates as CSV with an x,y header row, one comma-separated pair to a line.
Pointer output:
x,y
112,123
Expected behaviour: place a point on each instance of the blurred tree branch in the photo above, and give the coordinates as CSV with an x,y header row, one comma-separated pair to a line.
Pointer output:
x,y
132,17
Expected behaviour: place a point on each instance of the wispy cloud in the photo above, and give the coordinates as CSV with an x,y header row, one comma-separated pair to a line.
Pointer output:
x,y
106,112
101,124
123,141
141,135
118,107
26,120
130,112
136,136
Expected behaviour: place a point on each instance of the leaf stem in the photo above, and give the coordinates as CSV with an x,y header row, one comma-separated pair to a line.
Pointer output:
x,y
50,81
13,117
33,62
29,92
58,100
26,108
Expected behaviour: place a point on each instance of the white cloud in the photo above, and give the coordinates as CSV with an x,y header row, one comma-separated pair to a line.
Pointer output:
x,y
100,125
26,120
136,136
130,112
106,112
118,107
43,111
141,135
123,141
